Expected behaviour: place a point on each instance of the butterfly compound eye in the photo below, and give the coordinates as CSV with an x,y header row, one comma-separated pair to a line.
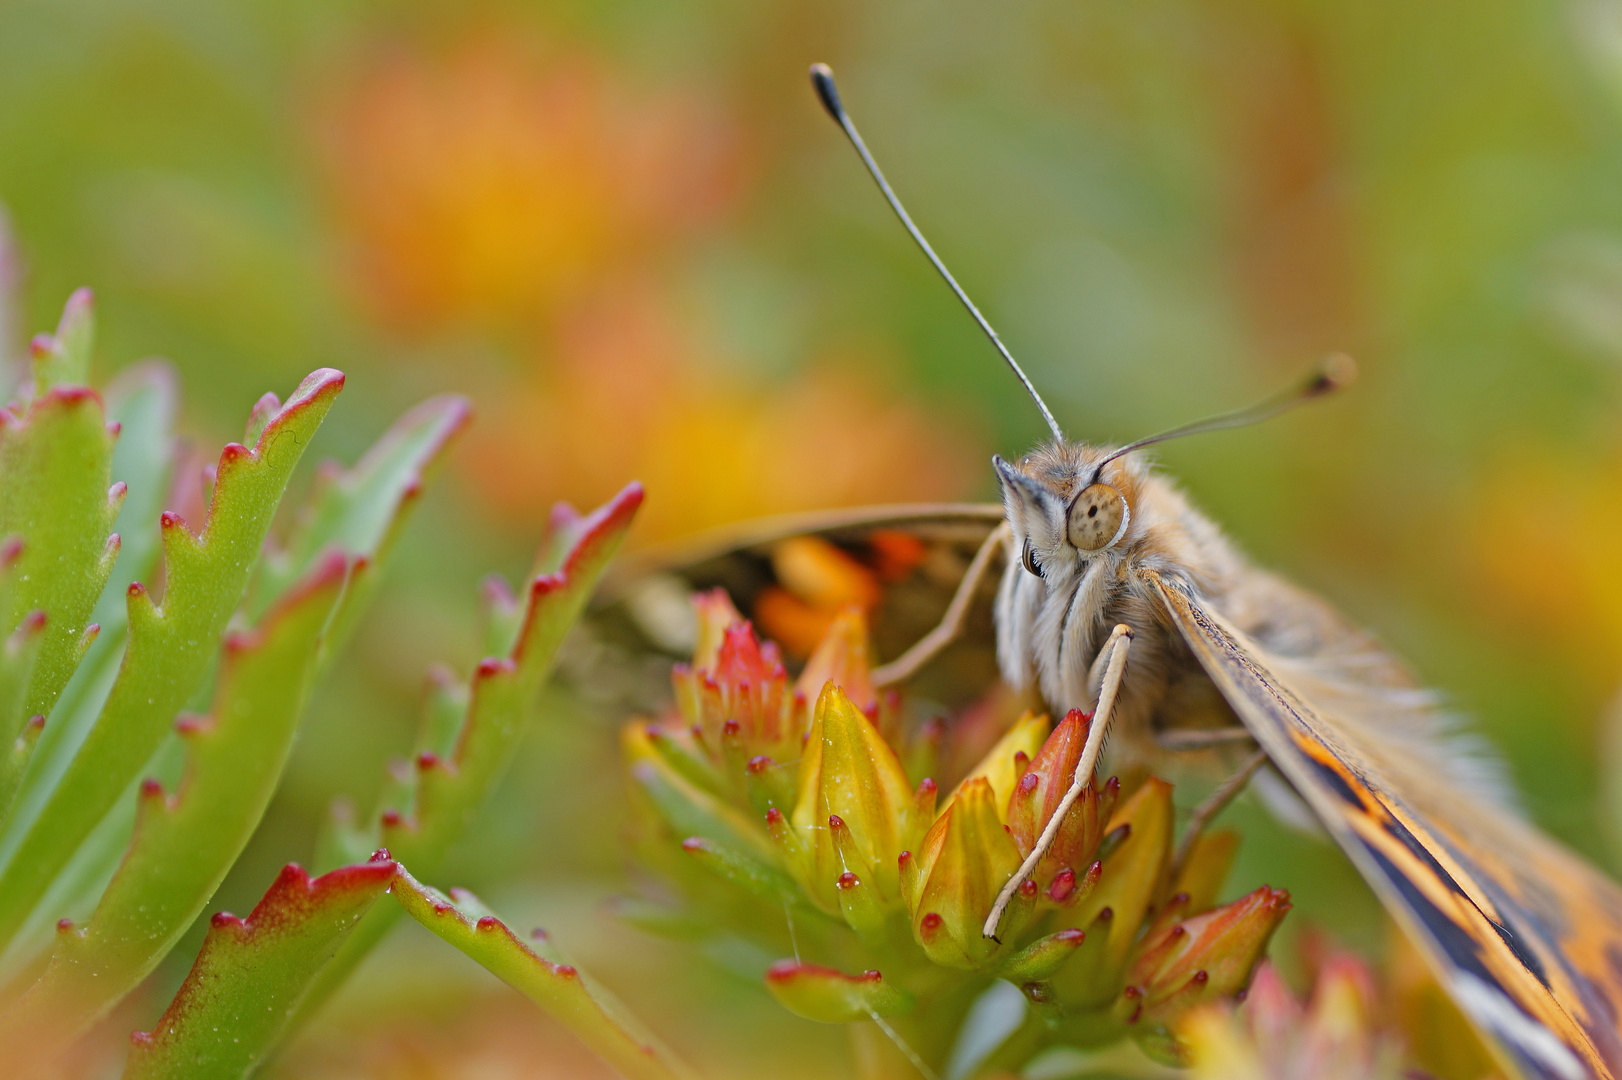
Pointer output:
x,y
1098,518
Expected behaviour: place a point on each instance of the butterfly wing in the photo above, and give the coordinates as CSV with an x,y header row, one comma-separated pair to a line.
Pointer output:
x,y
916,554
1526,936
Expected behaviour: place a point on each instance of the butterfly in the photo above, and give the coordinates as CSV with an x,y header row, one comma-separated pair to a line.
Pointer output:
x,y
1108,590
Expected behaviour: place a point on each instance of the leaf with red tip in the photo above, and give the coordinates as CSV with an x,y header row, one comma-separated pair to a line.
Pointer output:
x,y
184,844
561,989
251,974
144,399
685,808
63,358
57,497
752,875
1042,958
360,510
170,648
832,997
443,801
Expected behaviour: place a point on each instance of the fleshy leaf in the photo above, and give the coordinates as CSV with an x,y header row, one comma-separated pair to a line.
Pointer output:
x,y
170,647
251,973
450,790
1038,961
360,510
559,988
18,655
63,358
184,844
58,499
143,401
832,997
747,873
453,778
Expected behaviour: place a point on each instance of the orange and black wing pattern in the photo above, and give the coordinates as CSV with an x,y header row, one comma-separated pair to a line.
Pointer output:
x,y
1525,935
792,574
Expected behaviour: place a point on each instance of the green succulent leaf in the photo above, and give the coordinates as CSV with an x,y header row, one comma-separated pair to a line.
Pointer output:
x,y
541,974
453,777
170,648
251,974
143,400
833,997
58,502
63,358
368,504
361,510
687,809
1038,961
749,874
453,783
184,844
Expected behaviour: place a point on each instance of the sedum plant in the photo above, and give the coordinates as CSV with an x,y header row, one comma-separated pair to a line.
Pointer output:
x,y
808,815
192,647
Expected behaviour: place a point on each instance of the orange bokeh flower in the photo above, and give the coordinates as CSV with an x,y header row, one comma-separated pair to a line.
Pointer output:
x,y
492,182
628,395
1545,528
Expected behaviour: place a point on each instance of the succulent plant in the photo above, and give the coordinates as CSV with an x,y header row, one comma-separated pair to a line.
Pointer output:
x,y
103,867
793,797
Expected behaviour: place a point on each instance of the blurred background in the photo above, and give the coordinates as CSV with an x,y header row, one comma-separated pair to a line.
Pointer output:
x,y
627,232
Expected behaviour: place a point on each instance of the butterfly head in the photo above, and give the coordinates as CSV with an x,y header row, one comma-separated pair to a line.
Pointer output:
x,y
1067,503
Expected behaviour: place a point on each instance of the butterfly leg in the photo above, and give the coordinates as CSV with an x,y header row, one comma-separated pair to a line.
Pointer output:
x,y
1191,739
930,645
1212,806
1120,641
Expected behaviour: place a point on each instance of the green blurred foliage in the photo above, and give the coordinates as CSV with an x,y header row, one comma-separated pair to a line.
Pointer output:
x,y
1167,207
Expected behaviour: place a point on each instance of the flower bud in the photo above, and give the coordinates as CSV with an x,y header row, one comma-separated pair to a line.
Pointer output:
x,y
953,878
1036,796
1009,758
854,811
714,613
735,698
682,807
1199,960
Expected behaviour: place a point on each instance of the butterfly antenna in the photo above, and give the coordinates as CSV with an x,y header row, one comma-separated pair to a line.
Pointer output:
x,y
822,79
1333,372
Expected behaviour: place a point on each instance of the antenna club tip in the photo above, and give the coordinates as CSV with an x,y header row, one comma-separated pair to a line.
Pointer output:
x,y
1338,370
822,80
